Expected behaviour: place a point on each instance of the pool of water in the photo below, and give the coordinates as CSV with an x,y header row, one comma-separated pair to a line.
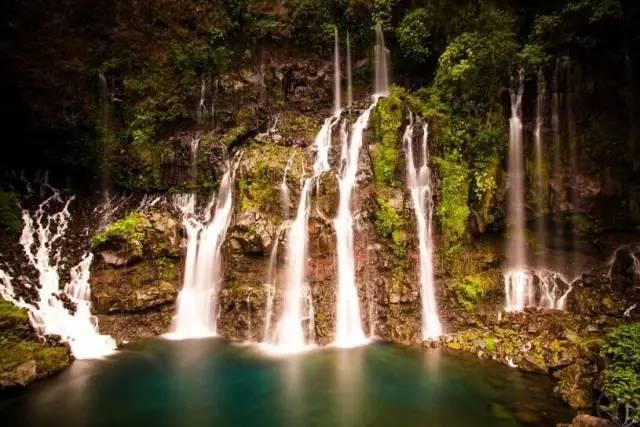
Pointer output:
x,y
214,383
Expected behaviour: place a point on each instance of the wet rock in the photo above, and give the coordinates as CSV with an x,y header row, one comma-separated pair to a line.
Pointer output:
x,y
143,287
575,385
20,376
585,420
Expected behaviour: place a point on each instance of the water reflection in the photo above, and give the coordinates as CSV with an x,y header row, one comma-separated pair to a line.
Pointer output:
x,y
212,383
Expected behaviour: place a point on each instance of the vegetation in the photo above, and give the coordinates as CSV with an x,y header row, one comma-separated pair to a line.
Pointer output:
x,y
10,215
130,230
622,374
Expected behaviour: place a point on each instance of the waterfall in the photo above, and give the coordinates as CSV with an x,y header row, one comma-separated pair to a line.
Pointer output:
x,y
202,108
284,189
337,102
552,296
381,56
349,331
349,78
272,279
289,336
197,302
517,282
540,187
420,186
42,235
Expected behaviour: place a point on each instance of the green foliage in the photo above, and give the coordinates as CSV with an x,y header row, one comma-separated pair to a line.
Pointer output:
x,y
414,36
10,315
453,211
391,225
475,63
10,215
594,10
383,13
130,229
470,290
622,374
490,344
387,121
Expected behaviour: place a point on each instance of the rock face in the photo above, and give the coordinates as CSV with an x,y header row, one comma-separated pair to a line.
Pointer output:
x,y
136,276
23,356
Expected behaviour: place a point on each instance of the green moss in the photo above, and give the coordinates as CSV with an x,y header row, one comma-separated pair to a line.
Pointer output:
x,y
391,225
297,126
385,155
264,165
49,359
11,315
490,344
470,290
235,135
10,215
130,229
453,210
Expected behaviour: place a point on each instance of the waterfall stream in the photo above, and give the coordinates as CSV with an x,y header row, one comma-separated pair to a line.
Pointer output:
x,y
197,302
421,189
349,332
518,284
42,237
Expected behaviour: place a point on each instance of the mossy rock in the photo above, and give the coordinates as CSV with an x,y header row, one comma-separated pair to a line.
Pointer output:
x,y
135,288
137,236
23,357
262,170
385,153
126,236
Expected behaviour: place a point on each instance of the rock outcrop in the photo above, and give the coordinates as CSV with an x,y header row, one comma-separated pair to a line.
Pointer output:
x,y
135,279
24,357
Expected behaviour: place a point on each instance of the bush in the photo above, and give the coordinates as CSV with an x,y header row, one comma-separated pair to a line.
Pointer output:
x,y
622,374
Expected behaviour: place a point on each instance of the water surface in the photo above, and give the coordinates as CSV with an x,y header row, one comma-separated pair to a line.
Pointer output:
x,y
210,382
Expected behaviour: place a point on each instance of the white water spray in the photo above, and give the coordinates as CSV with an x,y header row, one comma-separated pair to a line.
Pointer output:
x,y
420,186
337,95
198,300
289,336
349,332
381,56
518,289
41,240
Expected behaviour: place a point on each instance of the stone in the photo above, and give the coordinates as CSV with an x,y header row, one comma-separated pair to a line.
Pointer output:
x,y
585,420
22,375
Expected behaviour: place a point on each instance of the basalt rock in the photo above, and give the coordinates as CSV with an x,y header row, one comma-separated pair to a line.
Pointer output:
x,y
134,296
24,357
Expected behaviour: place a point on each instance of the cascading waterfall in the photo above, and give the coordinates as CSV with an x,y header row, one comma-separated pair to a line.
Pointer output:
x,y
518,284
41,240
202,108
284,189
349,331
540,186
381,56
289,335
198,299
337,95
420,187
552,296
272,279
349,78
